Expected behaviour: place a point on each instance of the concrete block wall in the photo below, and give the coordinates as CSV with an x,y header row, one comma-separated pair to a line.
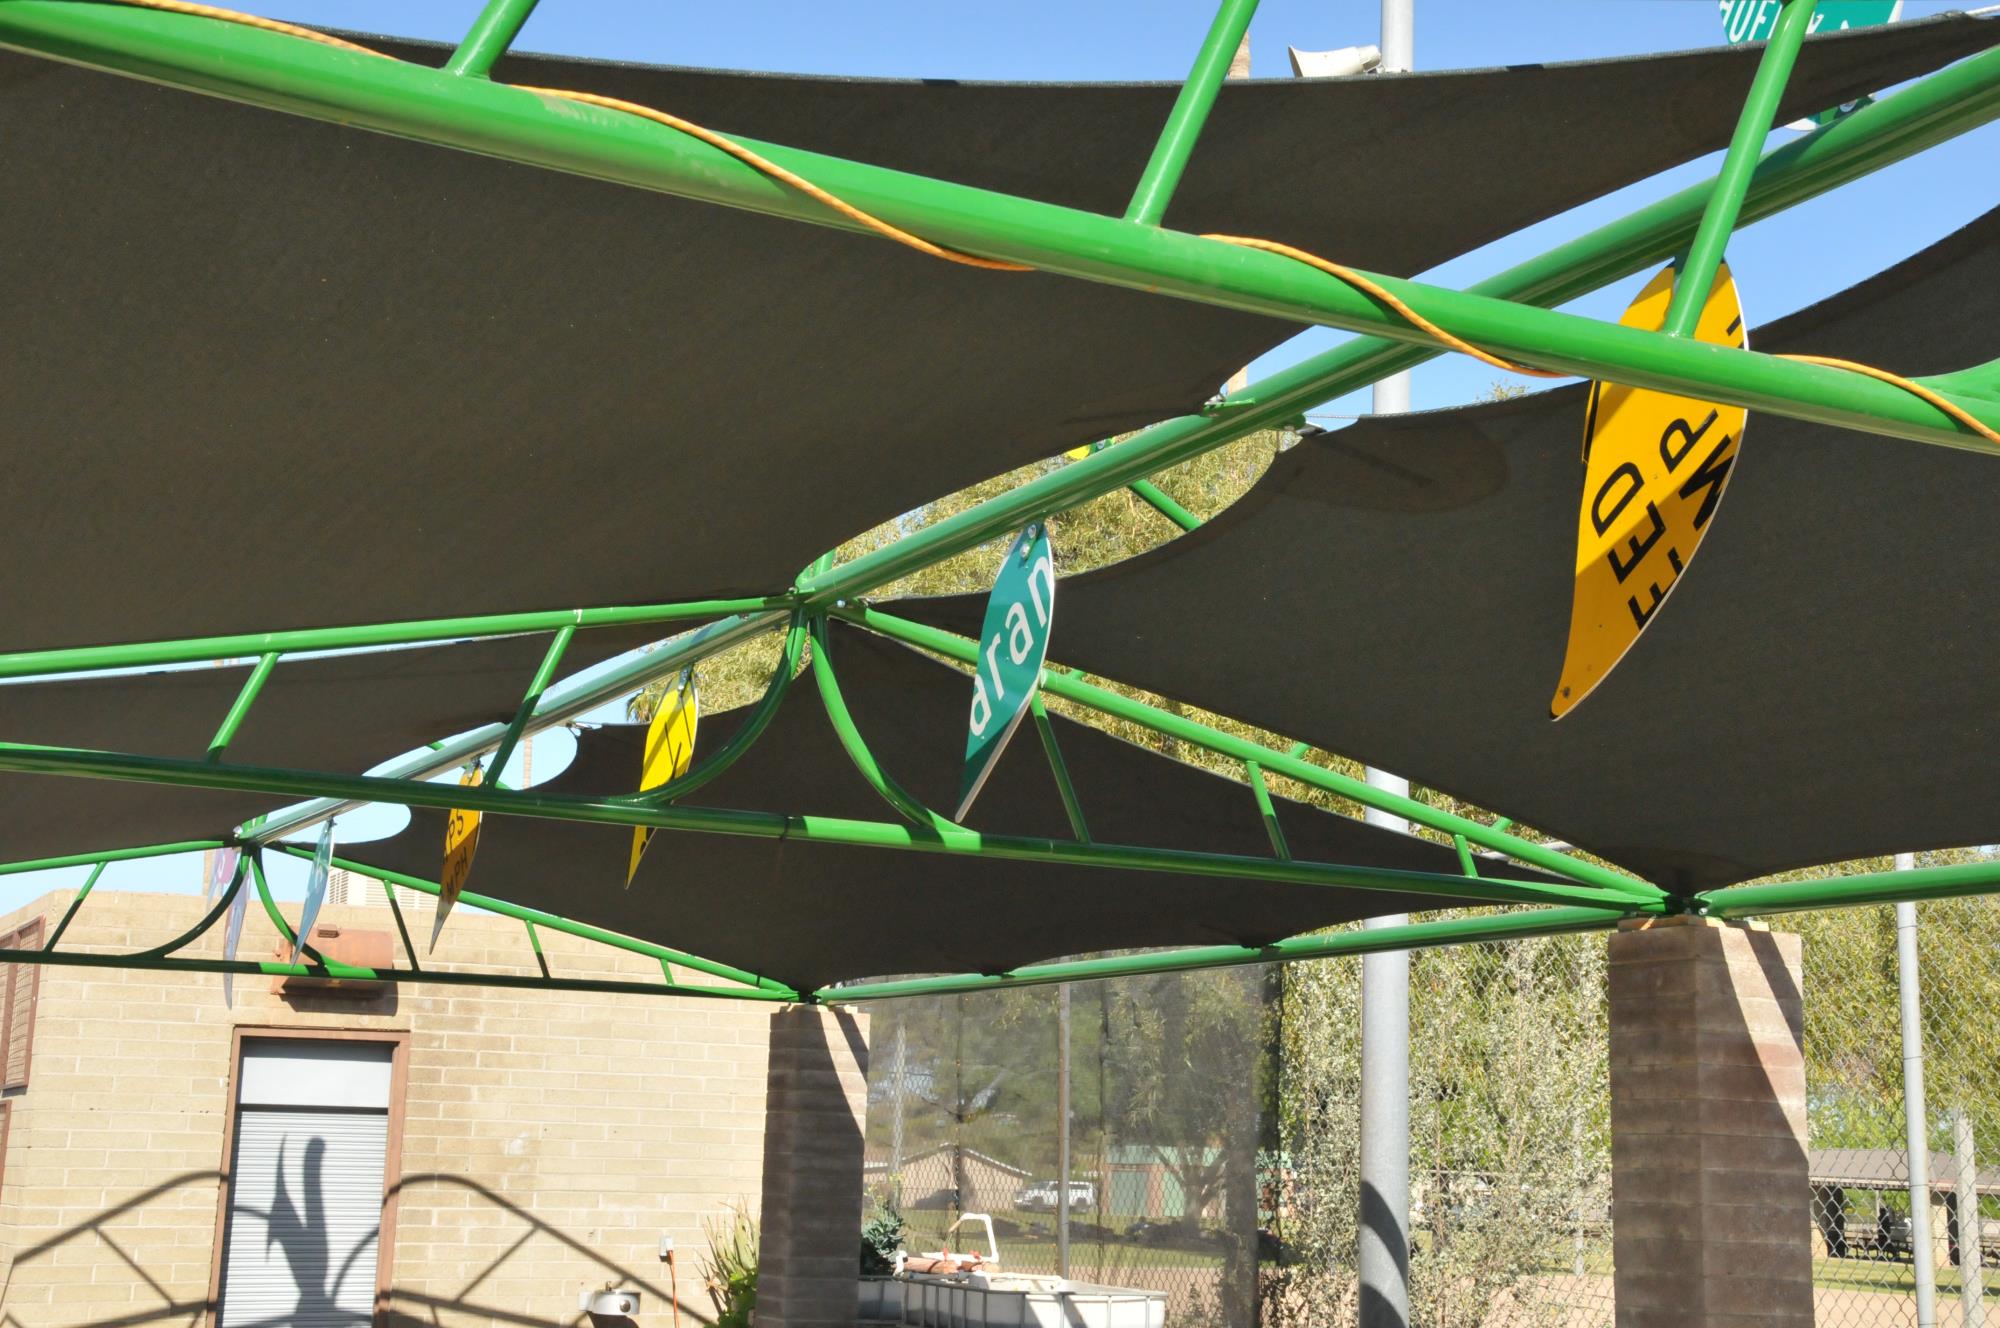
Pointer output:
x,y
549,1138
815,1128
1711,1220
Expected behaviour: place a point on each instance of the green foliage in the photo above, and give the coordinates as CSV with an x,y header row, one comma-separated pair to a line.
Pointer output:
x,y
881,1237
729,1268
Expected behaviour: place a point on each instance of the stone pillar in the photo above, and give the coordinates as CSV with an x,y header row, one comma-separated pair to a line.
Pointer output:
x,y
1711,1205
815,1121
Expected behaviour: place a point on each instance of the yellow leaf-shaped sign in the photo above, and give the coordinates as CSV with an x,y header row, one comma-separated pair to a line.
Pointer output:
x,y
461,841
1655,466
669,753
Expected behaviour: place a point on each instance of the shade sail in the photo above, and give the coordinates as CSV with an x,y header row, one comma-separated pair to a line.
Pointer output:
x,y
269,373
809,914
341,713
1819,687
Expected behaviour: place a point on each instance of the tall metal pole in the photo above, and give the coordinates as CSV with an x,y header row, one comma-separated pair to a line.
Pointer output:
x,y
898,1086
1384,1220
1384,1225
1062,1130
1917,1144
1970,1279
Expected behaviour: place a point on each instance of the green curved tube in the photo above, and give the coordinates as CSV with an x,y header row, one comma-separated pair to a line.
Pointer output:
x,y
745,737
856,746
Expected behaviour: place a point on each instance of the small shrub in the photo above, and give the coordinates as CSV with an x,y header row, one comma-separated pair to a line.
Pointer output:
x,y
729,1269
881,1236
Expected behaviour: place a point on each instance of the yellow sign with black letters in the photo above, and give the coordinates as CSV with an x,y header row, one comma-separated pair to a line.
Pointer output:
x,y
1655,467
461,841
669,753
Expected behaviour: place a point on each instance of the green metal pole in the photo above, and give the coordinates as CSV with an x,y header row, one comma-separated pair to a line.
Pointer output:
x,y
199,649
290,74
581,930
822,829
239,881
75,904
747,733
1418,935
1266,810
1060,769
491,34
1165,505
111,855
535,942
544,675
1933,111
244,700
1223,744
856,747
1184,123
1742,901
1760,110
286,936
443,977
561,704
402,927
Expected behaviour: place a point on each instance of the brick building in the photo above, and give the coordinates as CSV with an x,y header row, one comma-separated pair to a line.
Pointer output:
x,y
170,1159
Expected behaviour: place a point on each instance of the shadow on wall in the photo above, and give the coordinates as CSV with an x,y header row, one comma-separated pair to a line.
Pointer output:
x,y
298,1225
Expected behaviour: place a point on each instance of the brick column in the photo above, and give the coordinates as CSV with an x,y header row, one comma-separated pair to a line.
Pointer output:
x,y
1710,1204
816,1113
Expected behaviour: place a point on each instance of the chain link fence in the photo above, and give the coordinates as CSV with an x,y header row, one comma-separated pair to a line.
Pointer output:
x,y
1214,1141
1169,1084
1870,1249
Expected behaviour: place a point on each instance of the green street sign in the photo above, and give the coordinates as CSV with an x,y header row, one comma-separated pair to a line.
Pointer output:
x,y
1753,20
1013,642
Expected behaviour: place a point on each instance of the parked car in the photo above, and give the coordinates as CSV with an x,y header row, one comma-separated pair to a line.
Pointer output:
x,y
1040,1196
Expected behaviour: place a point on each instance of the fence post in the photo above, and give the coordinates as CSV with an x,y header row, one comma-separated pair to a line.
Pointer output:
x,y
1917,1144
1383,1262
1062,1130
1971,1313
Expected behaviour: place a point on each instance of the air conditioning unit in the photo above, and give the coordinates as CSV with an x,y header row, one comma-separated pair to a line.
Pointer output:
x,y
345,945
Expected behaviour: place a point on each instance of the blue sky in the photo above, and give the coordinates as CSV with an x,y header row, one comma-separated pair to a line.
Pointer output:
x,y
1781,264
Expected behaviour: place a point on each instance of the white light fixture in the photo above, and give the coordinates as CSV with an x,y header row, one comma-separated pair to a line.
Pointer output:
x,y
1343,63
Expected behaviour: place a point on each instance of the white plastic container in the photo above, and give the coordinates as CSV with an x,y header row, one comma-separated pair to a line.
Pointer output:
x,y
881,1299
1018,1300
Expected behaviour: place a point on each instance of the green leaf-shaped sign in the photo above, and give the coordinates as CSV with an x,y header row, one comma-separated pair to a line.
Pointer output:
x,y
1012,645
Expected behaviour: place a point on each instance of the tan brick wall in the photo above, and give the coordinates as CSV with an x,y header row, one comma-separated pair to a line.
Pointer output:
x,y
1708,1127
551,1138
814,1134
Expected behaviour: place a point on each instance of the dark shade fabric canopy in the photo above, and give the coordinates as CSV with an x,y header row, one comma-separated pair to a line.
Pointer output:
x,y
267,373
342,713
809,914
1819,688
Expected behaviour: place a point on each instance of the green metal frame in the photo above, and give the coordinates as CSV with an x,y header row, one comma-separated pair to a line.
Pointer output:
x,y
459,106
289,74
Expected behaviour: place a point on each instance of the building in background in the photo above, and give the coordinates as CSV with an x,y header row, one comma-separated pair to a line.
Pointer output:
x,y
408,1154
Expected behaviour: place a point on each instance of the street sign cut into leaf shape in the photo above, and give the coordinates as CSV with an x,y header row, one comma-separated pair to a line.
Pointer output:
x,y
1013,642
669,753
1655,467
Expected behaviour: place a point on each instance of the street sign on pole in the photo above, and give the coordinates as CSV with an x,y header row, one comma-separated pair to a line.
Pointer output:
x,y
1013,642
1754,20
